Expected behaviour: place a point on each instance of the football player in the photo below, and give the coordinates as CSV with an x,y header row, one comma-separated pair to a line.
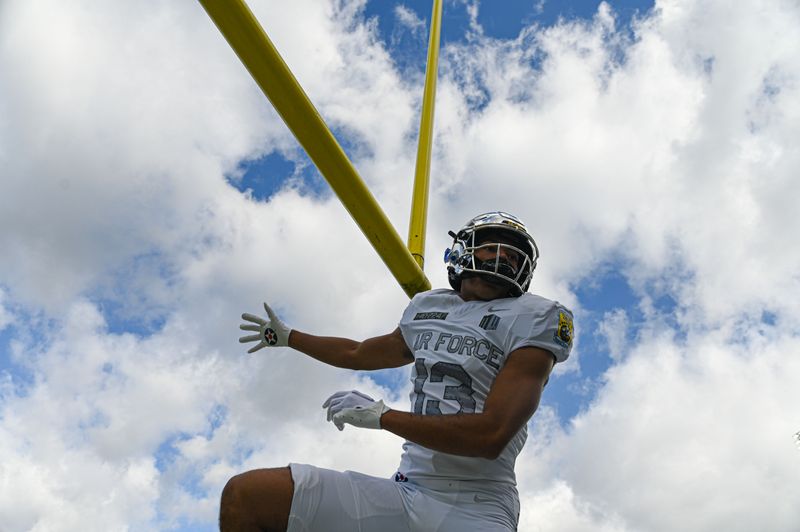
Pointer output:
x,y
480,355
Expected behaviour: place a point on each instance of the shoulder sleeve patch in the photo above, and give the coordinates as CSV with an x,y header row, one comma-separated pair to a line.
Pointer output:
x,y
565,331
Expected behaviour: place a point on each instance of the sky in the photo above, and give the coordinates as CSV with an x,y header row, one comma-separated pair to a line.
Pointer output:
x,y
149,195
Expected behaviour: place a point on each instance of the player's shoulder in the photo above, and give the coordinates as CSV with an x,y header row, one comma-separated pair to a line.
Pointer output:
x,y
439,302
437,295
551,325
536,304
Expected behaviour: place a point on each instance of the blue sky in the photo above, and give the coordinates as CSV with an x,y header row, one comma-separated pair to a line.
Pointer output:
x,y
653,156
501,20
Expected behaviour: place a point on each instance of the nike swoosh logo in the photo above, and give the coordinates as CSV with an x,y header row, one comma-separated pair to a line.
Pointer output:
x,y
497,309
479,499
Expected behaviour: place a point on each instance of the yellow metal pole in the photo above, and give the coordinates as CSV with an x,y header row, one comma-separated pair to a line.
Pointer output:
x,y
247,38
419,199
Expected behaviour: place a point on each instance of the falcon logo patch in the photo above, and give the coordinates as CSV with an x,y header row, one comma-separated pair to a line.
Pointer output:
x,y
565,331
489,322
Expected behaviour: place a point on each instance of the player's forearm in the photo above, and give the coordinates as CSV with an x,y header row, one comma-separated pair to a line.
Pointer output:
x,y
339,352
460,434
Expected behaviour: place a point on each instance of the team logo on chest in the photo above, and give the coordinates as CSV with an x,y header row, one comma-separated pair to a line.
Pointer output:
x,y
489,322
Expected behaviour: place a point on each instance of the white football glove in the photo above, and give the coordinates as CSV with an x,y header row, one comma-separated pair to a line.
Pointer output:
x,y
355,408
271,332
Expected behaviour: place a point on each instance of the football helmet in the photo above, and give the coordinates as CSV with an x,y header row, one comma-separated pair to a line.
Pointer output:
x,y
502,233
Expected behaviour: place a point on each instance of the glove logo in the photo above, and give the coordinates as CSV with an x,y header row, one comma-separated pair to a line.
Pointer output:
x,y
270,336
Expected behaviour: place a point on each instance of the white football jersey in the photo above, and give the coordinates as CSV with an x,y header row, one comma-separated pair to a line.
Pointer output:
x,y
459,348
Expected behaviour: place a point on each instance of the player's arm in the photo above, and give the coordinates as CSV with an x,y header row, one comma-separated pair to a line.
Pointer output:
x,y
511,402
387,351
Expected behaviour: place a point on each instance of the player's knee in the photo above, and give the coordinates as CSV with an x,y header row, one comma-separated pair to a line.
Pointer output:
x,y
230,508
257,500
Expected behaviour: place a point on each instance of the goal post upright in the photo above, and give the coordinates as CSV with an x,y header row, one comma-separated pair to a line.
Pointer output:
x,y
419,199
247,38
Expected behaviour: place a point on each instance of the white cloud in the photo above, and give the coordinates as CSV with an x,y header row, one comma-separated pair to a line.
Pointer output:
x,y
675,435
407,18
557,508
6,315
614,327
672,155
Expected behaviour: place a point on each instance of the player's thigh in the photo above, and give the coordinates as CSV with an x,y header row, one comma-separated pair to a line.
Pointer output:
x,y
437,511
334,501
459,520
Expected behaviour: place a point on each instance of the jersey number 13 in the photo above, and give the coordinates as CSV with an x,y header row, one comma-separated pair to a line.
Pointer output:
x,y
461,393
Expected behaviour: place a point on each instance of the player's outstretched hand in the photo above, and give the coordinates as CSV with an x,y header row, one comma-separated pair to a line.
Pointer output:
x,y
271,332
355,408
